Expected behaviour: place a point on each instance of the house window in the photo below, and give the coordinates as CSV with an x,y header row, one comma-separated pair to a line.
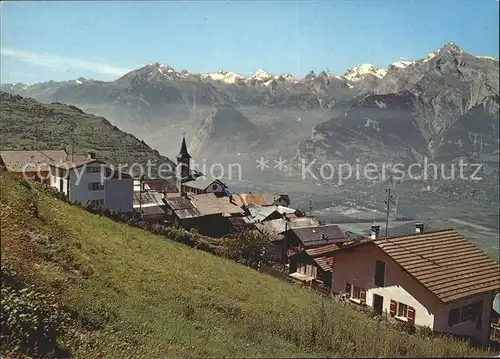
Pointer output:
x,y
97,202
453,316
472,311
379,273
96,186
356,292
402,311
94,169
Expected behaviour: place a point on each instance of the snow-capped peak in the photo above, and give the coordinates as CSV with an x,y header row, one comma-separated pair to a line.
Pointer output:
x,y
487,58
261,75
429,56
402,64
225,76
287,77
356,73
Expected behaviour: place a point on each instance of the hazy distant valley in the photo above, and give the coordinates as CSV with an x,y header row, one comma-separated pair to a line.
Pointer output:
x,y
444,106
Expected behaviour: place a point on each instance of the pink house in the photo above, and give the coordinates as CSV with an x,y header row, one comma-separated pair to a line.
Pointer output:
x,y
436,279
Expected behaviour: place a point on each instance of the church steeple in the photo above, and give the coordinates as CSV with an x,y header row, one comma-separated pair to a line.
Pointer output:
x,y
183,154
183,161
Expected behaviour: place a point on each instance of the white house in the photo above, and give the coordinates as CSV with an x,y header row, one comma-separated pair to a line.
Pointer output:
x,y
436,279
90,180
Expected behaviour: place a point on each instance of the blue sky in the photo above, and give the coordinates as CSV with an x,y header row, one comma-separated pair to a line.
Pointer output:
x,y
67,39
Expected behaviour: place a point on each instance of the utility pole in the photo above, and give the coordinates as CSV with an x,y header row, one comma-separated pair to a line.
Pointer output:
x,y
388,203
141,179
72,147
36,137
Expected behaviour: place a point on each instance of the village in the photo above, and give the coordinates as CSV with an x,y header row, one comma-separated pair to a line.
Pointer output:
x,y
428,278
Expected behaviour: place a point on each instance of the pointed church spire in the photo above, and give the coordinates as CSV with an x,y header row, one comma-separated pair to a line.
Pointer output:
x,y
184,152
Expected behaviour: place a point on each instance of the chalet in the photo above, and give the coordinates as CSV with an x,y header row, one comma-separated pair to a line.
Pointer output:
x,y
150,205
90,180
33,165
436,279
206,212
204,186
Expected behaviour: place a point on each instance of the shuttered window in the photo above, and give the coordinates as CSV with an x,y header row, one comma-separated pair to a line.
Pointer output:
x,y
410,315
356,291
392,307
453,316
402,311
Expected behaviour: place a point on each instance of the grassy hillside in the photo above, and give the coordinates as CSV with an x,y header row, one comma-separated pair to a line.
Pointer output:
x,y
27,123
115,291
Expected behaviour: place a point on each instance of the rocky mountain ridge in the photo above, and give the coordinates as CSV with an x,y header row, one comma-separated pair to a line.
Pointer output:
x,y
443,107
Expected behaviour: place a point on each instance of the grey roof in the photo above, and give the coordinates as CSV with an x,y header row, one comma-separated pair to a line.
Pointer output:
x,y
275,227
260,213
202,183
320,235
188,213
153,210
148,197
178,203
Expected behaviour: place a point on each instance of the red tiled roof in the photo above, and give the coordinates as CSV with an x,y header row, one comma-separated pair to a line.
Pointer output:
x,y
444,262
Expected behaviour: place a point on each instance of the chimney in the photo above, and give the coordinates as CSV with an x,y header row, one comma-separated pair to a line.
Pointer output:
x,y
91,155
323,236
419,228
375,232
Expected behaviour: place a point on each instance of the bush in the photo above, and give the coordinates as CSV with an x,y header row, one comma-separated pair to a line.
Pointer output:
x,y
30,320
406,327
425,332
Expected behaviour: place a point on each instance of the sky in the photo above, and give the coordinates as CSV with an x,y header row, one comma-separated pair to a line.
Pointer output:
x,y
64,40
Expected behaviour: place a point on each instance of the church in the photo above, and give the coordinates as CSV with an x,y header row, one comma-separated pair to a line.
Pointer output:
x,y
194,182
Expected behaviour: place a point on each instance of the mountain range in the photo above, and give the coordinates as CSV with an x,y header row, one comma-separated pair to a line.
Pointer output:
x,y
444,105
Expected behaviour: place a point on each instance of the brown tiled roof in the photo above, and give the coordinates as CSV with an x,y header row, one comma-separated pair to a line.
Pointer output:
x,y
313,236
257,199
331,248
444,262
325,263
15,160
209,204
